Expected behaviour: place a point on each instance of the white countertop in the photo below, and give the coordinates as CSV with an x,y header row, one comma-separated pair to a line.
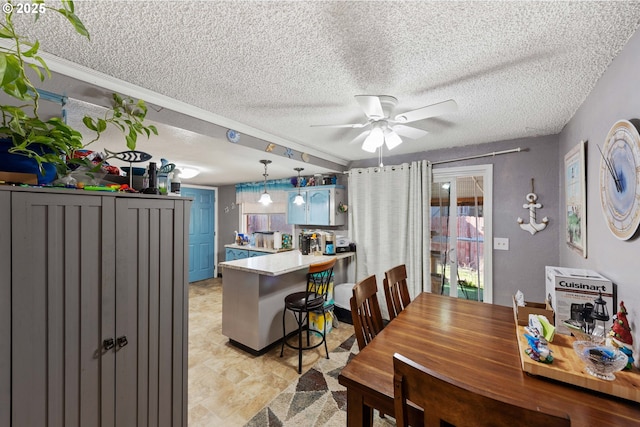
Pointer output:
x,y
256,248
280,263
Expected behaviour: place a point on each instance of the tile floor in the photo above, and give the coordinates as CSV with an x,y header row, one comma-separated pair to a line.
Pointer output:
x,y
228,386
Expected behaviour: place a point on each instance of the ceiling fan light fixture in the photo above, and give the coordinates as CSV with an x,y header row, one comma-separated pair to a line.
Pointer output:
x,y
392,139
374,140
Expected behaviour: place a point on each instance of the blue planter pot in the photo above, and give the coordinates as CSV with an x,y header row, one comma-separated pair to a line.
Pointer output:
x,y
10,162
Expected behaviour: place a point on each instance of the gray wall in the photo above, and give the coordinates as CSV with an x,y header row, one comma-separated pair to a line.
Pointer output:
x,y
614,98
522,266
228,218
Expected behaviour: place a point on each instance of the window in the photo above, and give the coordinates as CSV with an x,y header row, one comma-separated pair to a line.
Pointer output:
x,y
266,222
461,229
255,217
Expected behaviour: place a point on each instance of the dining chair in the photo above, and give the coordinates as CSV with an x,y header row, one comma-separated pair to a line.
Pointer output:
x,y
313,299
447,402
396,292
365,311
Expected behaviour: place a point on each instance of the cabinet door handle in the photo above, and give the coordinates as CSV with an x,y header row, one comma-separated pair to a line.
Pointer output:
x,y
122,341
108,344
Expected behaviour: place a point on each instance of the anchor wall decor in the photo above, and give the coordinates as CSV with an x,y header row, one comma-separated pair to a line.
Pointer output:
x,y
532,226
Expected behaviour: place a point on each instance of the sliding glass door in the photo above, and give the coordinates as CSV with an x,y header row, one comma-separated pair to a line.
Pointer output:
x,y
461,232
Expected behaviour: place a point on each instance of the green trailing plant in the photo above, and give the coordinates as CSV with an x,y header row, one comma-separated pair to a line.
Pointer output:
x,y
52,140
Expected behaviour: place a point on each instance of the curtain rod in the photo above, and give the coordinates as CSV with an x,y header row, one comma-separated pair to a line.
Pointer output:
x,y
493,154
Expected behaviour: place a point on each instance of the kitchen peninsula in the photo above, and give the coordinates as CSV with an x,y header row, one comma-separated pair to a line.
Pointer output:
x,y
253,291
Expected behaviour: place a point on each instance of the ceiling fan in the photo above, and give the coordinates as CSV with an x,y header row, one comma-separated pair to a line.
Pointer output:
x,y
386,129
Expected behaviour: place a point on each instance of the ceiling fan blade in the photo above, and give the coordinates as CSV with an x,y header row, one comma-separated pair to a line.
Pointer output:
x,y
409,132
392,139
370,105
433,110
350,125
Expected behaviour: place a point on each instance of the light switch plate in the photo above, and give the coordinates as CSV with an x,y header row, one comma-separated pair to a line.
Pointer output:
x,y
501,243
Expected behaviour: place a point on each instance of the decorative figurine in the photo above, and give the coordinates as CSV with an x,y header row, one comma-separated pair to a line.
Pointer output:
x,y
620,334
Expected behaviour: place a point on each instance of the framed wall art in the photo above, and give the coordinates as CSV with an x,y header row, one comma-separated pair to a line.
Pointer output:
x,y
575,199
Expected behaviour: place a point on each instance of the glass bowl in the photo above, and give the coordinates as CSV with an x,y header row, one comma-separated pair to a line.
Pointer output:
x,y
600,361
581,335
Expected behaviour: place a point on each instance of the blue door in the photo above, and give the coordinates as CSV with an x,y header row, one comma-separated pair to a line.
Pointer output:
x,y
201,233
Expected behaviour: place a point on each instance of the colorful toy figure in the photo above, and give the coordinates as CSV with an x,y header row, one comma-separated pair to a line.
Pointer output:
x,y
620,334
538,349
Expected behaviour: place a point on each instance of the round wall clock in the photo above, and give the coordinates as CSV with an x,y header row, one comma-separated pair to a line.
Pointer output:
x,y
620,179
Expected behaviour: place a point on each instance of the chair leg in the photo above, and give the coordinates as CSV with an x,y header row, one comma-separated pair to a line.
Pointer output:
x,y
306,319
284,332
300,343
324,332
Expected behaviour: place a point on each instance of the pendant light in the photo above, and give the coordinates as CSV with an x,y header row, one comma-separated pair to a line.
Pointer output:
x,y
299,200
265,199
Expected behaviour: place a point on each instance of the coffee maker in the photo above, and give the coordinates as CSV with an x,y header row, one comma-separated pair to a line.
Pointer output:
x,y
304,243
329,246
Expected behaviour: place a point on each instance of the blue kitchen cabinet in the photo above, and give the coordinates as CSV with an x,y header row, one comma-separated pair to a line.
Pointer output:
x,y
234,254
319,212
296,214
320,207
257,253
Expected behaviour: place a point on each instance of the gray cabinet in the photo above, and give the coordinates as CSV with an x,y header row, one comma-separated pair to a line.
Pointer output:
x,y
98,309
320,207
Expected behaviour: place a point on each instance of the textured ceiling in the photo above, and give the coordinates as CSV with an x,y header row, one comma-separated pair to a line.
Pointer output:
x,y
516,69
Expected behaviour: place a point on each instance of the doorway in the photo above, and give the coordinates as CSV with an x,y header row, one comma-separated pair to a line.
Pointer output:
x,y
202,254
461,232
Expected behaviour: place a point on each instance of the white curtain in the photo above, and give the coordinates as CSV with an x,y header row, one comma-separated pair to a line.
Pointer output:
x,y
389,220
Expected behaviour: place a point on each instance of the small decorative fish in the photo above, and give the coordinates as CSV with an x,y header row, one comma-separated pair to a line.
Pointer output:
x,y
133,156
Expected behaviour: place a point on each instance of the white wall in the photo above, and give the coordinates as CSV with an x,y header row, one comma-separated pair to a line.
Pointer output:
x,y
615,97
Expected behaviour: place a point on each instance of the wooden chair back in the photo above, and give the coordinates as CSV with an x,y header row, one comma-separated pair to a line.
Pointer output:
x,y
396,292
446,402
318,281
365,311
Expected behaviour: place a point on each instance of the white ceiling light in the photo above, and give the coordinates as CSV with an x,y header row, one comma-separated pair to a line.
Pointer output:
x,y
391,138
265,199
374,140
187,172
299,200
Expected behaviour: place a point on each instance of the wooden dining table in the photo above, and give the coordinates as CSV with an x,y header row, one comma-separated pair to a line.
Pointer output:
x,y
474,343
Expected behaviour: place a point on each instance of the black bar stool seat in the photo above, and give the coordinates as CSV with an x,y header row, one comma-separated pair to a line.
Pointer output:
x,y
314,299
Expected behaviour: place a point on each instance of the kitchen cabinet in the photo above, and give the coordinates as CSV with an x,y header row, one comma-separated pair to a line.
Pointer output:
x,y
95,293
320,207
232,254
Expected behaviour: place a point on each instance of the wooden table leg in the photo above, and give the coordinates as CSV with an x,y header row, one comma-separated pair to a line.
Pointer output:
x,y
358,414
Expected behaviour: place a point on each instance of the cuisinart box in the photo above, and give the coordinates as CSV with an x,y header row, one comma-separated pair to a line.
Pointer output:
x,y
567,286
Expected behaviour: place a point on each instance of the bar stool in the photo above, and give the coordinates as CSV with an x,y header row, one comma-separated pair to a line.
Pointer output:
x,y
313,299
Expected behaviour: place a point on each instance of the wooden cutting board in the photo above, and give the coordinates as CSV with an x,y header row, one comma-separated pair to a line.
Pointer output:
x,y
567,367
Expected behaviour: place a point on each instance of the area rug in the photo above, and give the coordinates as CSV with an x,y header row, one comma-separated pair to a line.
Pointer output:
x,y
316,399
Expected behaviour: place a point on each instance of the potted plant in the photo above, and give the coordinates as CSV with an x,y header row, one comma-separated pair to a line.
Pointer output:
x,y
48,146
